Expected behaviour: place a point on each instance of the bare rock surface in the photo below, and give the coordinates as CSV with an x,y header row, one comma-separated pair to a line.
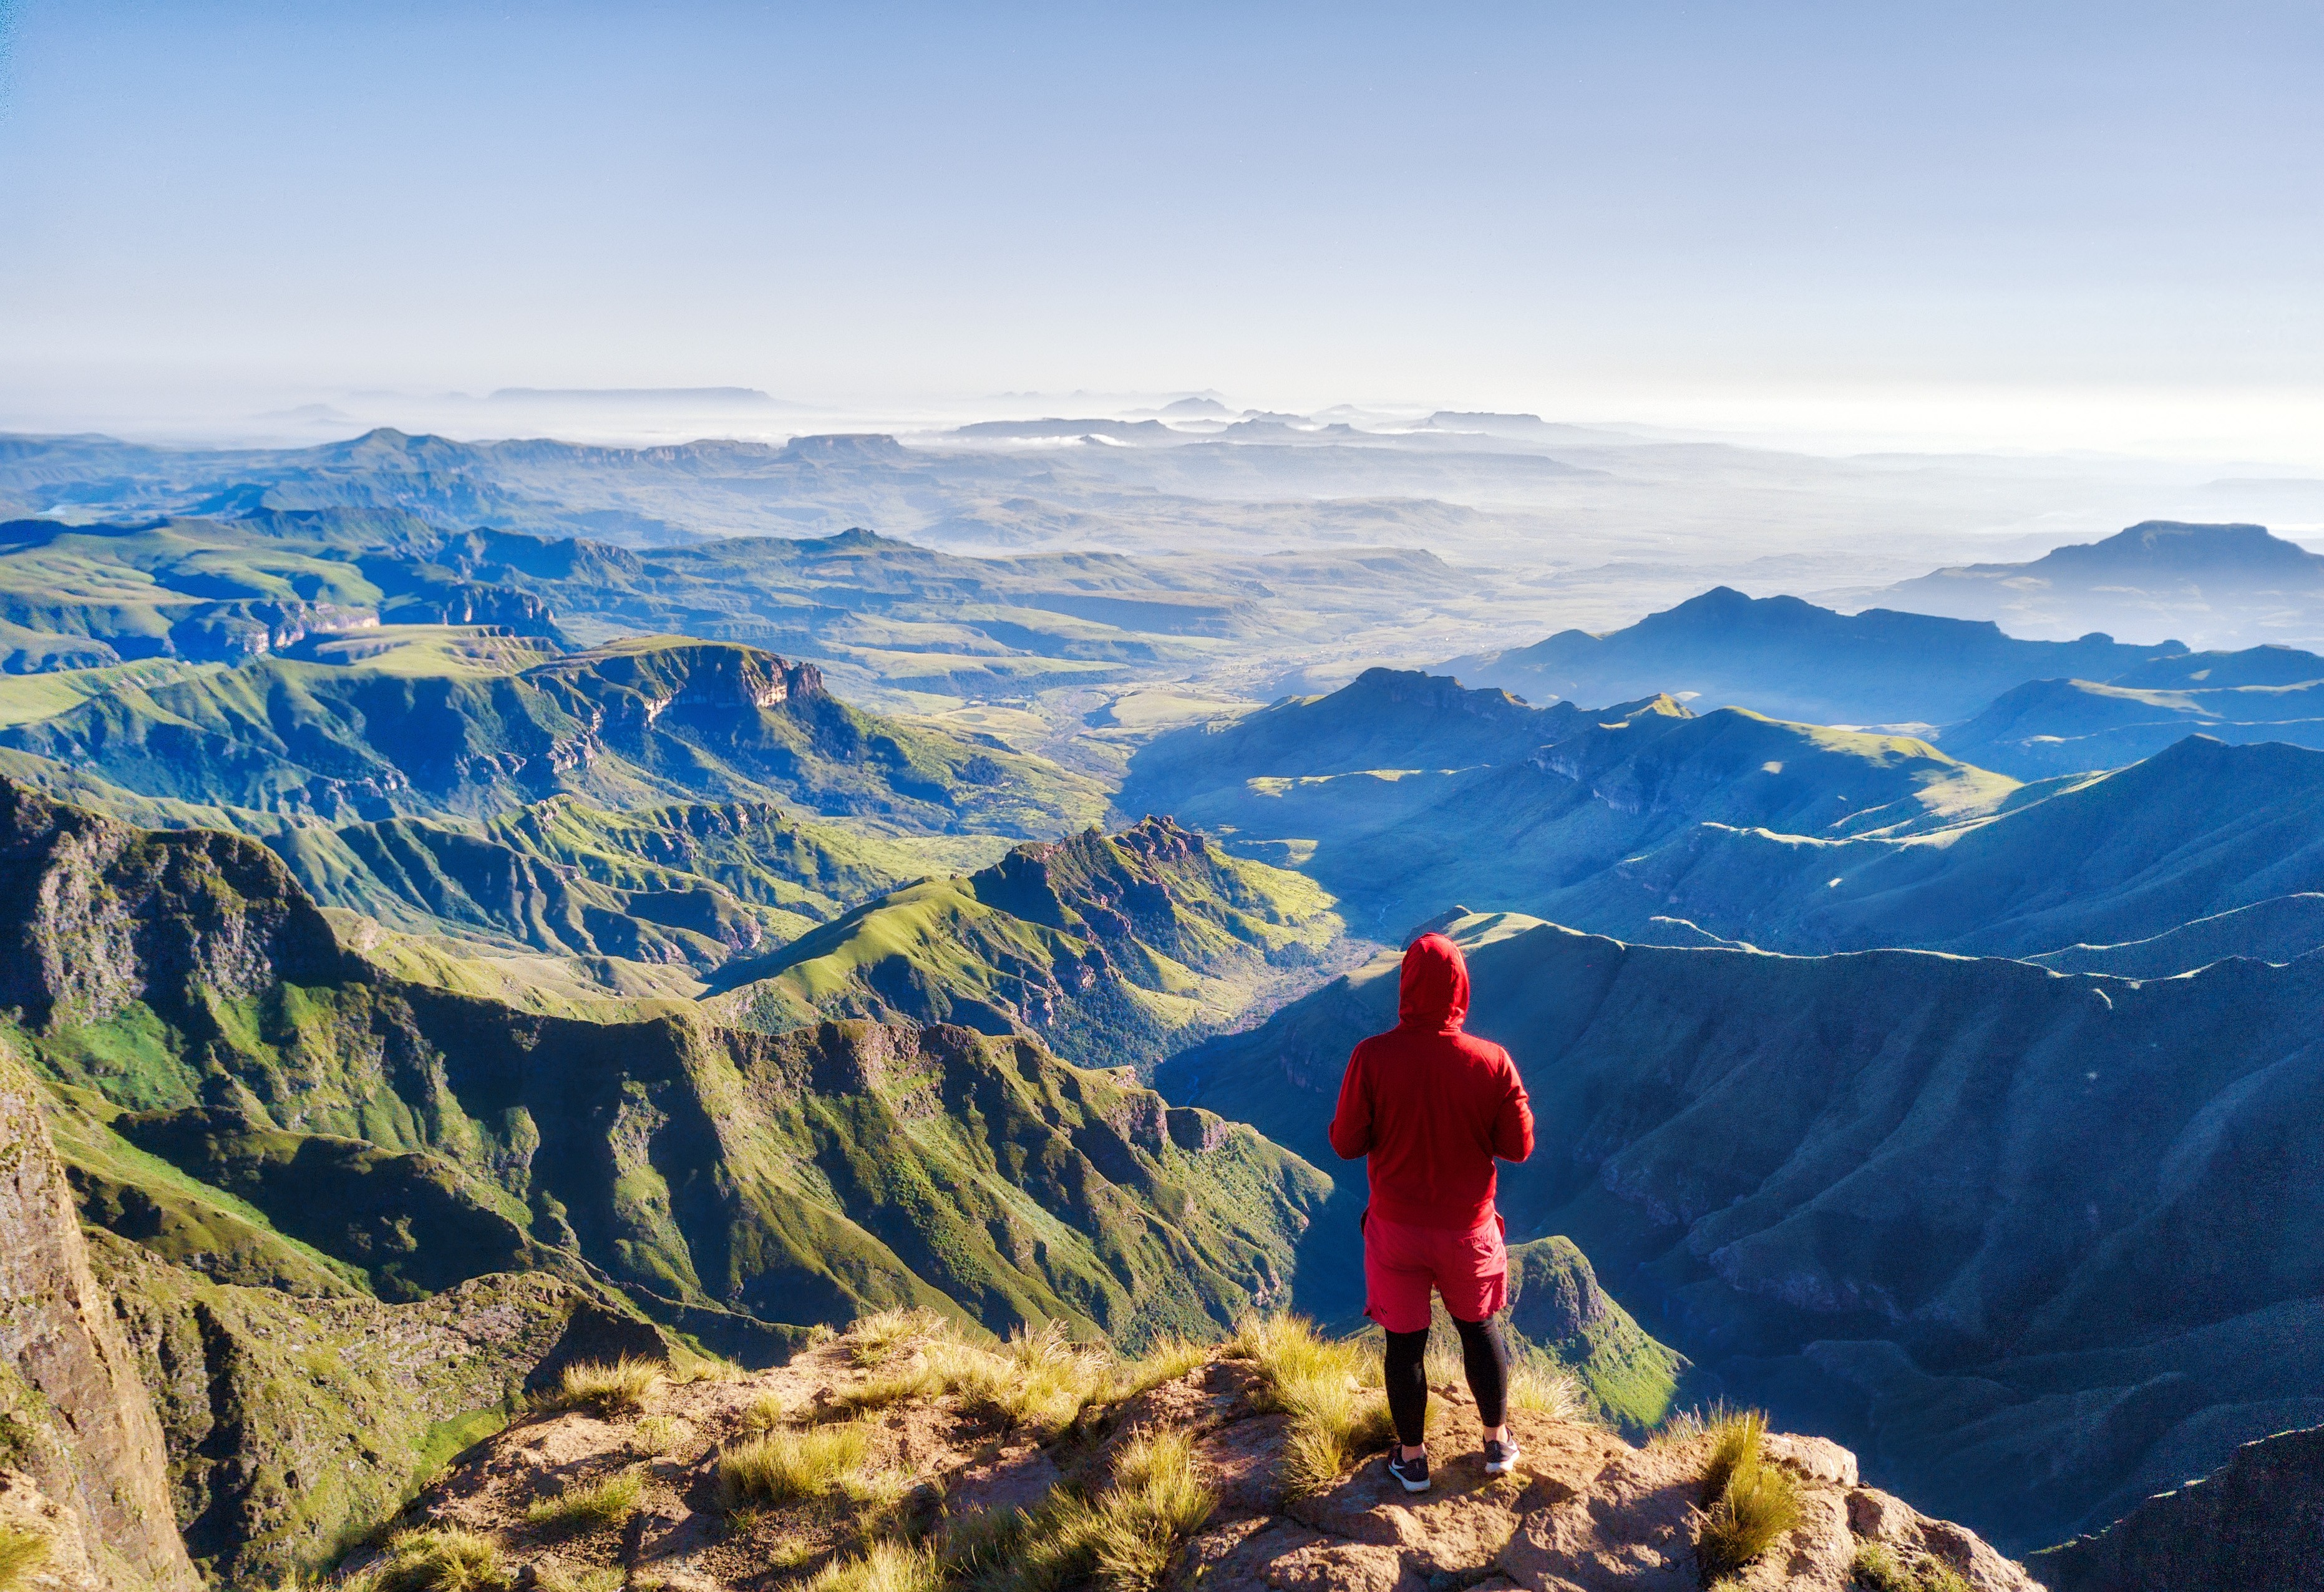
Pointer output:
x,y
79,1437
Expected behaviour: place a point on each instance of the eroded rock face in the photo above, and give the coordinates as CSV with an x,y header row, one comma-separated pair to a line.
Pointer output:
x,y
2256,1522
1583,1512
76,1426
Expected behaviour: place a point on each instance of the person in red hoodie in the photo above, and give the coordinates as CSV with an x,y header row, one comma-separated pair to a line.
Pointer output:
x,y
1431,1108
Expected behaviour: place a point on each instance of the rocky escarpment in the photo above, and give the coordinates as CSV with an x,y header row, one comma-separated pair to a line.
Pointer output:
x,y
81,1449
953,1465
95,914
2257,1521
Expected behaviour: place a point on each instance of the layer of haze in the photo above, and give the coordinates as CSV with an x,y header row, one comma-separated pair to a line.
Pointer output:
x,y
2069,224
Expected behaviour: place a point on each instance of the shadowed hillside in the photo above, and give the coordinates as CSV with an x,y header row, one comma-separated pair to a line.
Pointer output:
x,y
2198,830
1838,1182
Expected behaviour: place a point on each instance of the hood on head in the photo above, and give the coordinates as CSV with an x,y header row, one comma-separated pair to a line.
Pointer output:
x,y
1434,993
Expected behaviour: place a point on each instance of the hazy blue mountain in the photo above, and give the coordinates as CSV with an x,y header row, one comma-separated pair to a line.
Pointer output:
x,y
2048,727
1385,720
2198,830
2030,1243
1792,659
1403,793
2221,585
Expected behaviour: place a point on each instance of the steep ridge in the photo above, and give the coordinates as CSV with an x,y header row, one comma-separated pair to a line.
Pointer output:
x,y
2283,928
80,1448
185,979
2253,1522
1113,949
2198,830
2048,727
286,1149
1791,660
625,725
951,1468
1838,1182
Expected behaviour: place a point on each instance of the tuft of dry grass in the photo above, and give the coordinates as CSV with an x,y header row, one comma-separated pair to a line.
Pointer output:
x,y
1122,1540
1335,1419
884,1567
592,1506
1543,1386
444,1561
875,1340
21,1555
1747,1503
1039,1381
1876,1569
784,1466
620,1388
1166,1360
660,1435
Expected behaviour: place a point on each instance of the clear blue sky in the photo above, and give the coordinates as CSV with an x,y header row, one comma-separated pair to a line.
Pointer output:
x,y
1572,205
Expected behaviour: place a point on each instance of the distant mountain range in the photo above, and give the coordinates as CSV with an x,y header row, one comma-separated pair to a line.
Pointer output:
x,y
2219,585
1790,659
2197,830
2036,1245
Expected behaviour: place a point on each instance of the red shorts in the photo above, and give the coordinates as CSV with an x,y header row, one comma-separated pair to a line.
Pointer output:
x,y
1402,1263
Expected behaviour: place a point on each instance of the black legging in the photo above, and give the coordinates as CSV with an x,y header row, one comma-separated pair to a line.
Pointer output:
x,y
1481,1356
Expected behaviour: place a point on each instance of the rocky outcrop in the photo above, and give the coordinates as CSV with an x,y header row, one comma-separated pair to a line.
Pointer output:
x,y
80,1448
94,913
1583,1512
2258,1521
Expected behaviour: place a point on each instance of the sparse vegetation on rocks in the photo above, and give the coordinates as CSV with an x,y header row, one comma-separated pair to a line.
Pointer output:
x,y
1747,1503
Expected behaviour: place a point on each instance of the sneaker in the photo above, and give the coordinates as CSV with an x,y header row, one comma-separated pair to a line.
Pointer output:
x,y
1412,1473
1500,1457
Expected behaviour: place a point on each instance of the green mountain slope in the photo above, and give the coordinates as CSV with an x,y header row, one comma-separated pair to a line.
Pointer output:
x,y
1792,659
629,723
691,883
2025,1240
1113,949
723,1179
2196,830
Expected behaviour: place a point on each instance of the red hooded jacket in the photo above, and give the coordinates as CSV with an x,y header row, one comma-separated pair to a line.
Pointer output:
x,y
1430,1105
